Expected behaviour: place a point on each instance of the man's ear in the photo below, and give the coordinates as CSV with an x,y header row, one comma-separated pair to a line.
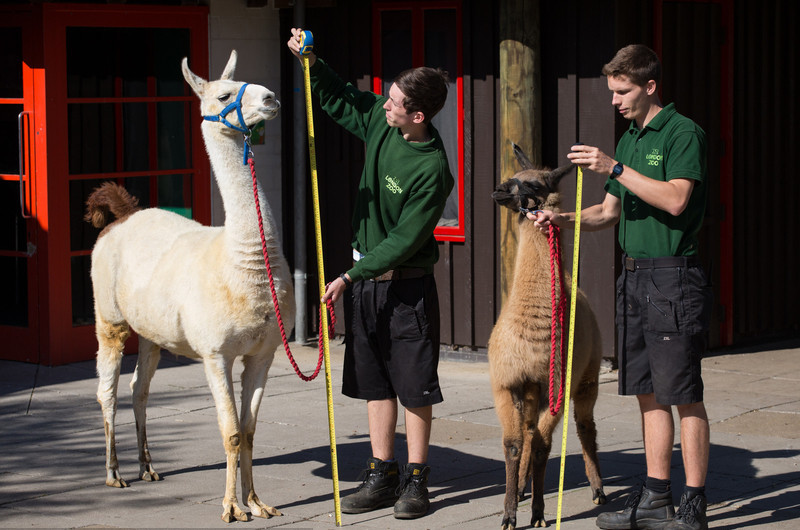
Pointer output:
x,y
651,87
419,117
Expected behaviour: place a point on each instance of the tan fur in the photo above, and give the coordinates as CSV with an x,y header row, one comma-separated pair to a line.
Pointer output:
x,y
519,356
194,290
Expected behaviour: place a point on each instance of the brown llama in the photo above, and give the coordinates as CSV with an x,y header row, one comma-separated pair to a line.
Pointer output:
x,y
519,353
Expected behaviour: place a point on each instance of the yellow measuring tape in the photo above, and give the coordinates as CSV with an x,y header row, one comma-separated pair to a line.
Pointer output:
x,y
306,44
572,304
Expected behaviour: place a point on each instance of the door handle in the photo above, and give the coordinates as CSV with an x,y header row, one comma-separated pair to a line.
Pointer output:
x,y
20,127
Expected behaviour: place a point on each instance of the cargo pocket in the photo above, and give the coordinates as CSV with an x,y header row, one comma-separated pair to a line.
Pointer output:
x,y
407,305
662,314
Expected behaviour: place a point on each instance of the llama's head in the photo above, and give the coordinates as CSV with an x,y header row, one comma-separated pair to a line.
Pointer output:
x,y
530,188
218,99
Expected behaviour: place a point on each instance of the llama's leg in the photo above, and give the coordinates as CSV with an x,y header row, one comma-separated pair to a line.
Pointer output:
x,y
218,373
254,379
510,407
111,343
584,399
149,355
531,400
541,444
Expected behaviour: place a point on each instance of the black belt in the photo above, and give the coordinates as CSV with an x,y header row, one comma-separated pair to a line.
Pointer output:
x,y
400,274
632,264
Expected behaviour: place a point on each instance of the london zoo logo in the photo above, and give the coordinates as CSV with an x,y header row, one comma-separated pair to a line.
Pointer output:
x,y
392,185
654,158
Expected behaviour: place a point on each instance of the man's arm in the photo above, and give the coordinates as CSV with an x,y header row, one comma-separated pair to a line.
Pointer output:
x,y
593,218
672,196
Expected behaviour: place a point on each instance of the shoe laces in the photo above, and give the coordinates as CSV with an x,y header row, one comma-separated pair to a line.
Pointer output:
x,y
688,510
368,476
633,499
412,482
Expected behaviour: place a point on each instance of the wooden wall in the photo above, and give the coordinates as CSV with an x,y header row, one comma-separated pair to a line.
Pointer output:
x,y
577,38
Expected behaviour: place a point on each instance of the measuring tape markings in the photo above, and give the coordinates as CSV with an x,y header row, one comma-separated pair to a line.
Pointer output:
x,y
573,303
306,45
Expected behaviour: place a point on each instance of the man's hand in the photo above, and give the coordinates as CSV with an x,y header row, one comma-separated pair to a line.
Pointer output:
x,y
334,290
544,218
592,158
294,46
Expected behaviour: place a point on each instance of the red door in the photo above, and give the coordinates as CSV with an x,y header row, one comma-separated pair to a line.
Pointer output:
x,y
101,98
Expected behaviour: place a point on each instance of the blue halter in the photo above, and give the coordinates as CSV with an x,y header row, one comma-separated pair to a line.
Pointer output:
x,y
242,128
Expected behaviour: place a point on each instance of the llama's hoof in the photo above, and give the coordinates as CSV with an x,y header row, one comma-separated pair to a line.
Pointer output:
x,y
148,474
234,513
538,520
598,496
509,523
114,480
259,509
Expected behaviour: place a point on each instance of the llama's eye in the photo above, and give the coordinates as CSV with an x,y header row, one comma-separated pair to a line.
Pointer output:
x,y
224,98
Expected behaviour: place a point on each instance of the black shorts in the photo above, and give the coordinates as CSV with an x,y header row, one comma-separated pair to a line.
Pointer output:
x,y
662,321
392,342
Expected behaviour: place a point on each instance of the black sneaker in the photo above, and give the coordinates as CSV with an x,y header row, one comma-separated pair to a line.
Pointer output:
x,y
378,489
644,509
691,514
413,492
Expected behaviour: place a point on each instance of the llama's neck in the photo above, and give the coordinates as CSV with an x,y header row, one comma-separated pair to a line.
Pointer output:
x,y
532,265
235,184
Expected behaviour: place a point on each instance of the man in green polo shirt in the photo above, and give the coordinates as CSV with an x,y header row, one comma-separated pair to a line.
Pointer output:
x,y
656,190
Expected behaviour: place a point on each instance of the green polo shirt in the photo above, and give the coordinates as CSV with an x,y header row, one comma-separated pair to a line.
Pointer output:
x,y
671,146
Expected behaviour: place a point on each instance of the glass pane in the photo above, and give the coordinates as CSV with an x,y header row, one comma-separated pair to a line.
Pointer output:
x,y
136,134
395,45
11,63
440,52
175,194
9,139
131,56
82,234
82,296
12,225
91,68
139,187
13,291
173,46
92,138
172,145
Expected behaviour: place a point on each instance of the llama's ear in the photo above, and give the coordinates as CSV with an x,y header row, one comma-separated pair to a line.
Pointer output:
x,y
227,74
524,161
554,177
197,83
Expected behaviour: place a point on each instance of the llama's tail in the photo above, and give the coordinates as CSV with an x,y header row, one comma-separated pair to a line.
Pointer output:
x,y
109,198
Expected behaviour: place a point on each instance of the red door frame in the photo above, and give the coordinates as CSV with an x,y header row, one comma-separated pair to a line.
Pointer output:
x,y
59,341
417,9
726,262
21,343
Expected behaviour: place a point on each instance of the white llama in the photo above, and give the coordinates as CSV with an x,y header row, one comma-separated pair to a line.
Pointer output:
x,y
194,290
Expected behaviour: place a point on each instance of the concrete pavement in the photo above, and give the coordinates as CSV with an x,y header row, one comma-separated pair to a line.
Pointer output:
x,y
52,449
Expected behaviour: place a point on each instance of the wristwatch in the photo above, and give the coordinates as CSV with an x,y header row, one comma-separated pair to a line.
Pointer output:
x,y
617,171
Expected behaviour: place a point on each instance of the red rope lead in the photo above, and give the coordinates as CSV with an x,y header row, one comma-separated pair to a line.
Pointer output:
x,y
557,320
251,162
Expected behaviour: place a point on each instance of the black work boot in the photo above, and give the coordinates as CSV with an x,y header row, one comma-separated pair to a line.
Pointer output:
x,y
413,492
691,514
378,489
644,509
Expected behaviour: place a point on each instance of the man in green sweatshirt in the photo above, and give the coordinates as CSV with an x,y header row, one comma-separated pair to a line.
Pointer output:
x,y
392,350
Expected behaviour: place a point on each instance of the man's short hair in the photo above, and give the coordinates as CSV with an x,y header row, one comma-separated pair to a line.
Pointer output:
x,y
636,61
425,89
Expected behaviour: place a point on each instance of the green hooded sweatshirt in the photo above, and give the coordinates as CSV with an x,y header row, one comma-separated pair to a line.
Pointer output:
x,y
403,187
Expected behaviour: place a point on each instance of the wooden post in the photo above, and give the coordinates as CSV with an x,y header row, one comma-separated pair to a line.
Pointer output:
x,y
520,110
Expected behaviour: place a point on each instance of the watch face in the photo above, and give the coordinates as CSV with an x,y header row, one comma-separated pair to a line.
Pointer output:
x,y
617,169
